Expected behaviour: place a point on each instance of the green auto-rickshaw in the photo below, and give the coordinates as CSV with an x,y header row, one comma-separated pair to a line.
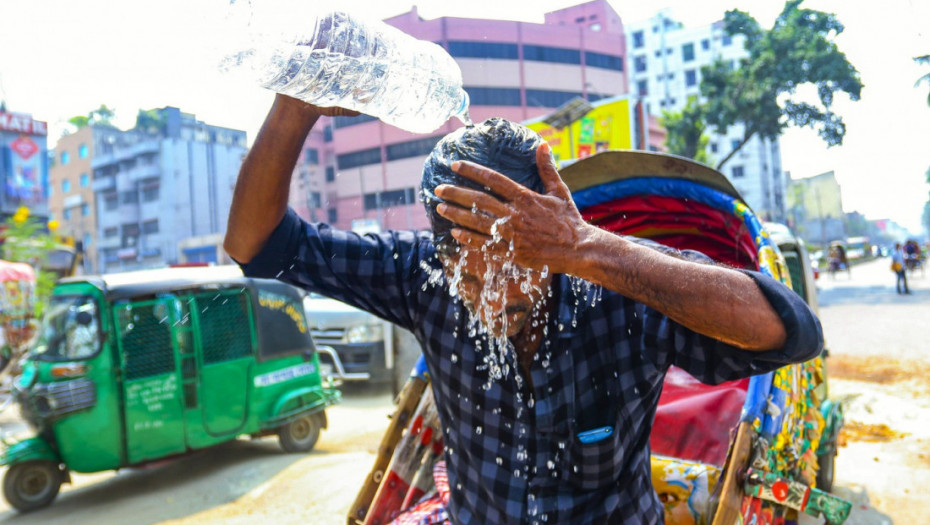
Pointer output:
x,y
139,366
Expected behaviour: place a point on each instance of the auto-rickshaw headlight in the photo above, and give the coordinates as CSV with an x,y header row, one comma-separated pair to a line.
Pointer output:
x,y
364,333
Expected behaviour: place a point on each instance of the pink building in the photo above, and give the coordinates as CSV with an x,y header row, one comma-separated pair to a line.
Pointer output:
x,y
358,172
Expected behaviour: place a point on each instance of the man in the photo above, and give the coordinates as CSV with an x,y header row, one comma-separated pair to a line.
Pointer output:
x,y
546,385
899,267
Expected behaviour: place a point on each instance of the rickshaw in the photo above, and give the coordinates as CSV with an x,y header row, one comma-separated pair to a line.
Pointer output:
x,y
134,367
742,452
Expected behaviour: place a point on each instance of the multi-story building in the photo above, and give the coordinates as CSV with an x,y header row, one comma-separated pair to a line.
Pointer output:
x,y
163,193
363,174
664,63
815,208
70,193
23,164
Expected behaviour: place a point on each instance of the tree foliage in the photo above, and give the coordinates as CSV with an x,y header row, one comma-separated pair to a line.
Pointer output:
x,y
925,60
761,92
103,115
686,131
149,120
27,240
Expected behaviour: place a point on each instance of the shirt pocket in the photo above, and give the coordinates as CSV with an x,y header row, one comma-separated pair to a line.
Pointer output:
x,y
590,466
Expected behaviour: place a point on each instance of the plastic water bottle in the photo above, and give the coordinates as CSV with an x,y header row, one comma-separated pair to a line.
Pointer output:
x,y
338,59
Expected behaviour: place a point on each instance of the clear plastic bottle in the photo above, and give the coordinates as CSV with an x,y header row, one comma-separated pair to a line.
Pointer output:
x,y
357,63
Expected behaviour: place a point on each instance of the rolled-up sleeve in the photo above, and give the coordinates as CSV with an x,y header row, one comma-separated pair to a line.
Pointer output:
x,y
713,362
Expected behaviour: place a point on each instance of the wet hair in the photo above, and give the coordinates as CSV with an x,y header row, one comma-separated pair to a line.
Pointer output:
x,y
496,143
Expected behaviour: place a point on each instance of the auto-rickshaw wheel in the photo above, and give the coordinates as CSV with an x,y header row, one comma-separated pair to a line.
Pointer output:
x,y
32,485
301,434
826,463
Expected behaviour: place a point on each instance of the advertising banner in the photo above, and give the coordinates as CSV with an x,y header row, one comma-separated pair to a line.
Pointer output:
x,y
23,184
607,126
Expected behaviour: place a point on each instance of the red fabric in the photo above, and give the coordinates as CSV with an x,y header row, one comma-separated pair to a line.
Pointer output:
x,y
694,420
679,223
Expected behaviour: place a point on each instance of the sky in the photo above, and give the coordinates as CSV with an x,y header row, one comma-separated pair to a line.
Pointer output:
x,y
60,58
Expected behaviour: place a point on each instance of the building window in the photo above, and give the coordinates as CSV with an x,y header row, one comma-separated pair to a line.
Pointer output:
x,y
358,158
542,98
705,44
734,143
149,227
65,157
642,88
492,50
690,78
328,134
596,27
85,180
737,172
558,55
83,151
687,52
613,62
88,240
332,215
85,210
110,202
413,148
67,214
638,39
727,40
129,197
330,174
487,96
311,156
342,122
388,199
713,147
150,192
110,232
65,186
639,64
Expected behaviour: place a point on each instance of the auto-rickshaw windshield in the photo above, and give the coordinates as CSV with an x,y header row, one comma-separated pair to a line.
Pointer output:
x,y
70,329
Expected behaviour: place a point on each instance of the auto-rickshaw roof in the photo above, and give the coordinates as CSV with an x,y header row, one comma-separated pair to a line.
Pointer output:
x,y
147,282
609,166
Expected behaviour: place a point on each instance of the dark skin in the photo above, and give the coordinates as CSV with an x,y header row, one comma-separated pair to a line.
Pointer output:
x,y
546,229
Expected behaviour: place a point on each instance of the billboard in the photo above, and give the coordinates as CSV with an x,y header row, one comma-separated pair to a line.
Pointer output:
x,y
23,163
609,125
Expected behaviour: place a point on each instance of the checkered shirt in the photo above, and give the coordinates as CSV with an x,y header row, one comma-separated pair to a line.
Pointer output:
x,y
512,449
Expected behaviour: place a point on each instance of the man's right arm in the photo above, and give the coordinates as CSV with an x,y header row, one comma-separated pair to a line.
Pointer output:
x,y
260,198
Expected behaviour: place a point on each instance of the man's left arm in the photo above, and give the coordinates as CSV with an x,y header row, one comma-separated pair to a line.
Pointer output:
x,y
546,229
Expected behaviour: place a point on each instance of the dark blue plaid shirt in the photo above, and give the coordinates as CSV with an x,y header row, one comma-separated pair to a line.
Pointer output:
x,y
512,449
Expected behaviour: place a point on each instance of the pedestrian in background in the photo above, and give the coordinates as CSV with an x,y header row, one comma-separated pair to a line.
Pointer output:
x,y
897,266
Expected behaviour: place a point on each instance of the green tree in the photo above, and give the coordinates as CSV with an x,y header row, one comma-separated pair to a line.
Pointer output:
x,y
760,92
685,131
149,120
103,115
29,241
925,60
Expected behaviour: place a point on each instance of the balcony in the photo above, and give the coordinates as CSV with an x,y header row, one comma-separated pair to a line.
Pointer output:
x,y
104,184
145,171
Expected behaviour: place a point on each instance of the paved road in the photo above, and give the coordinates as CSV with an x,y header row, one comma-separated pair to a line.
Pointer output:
x,y
879,360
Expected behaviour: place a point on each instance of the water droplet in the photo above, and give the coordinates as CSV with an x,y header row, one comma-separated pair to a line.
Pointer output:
x,y
478,430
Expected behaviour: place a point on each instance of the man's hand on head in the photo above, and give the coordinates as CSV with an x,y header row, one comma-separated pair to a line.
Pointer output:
x,y
534,229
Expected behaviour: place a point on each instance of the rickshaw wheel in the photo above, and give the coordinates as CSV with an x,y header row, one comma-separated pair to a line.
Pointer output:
x,y
301,434
32,485
826,464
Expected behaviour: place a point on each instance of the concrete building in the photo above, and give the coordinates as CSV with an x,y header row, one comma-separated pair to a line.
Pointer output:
x,y
23,164
815,207
157,188
361,173
70,192
664,64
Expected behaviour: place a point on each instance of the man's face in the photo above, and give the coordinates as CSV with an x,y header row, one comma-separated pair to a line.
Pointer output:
x,y
501,294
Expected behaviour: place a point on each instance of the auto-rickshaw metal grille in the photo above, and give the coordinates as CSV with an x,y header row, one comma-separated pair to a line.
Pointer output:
x,y
224,326
145,340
